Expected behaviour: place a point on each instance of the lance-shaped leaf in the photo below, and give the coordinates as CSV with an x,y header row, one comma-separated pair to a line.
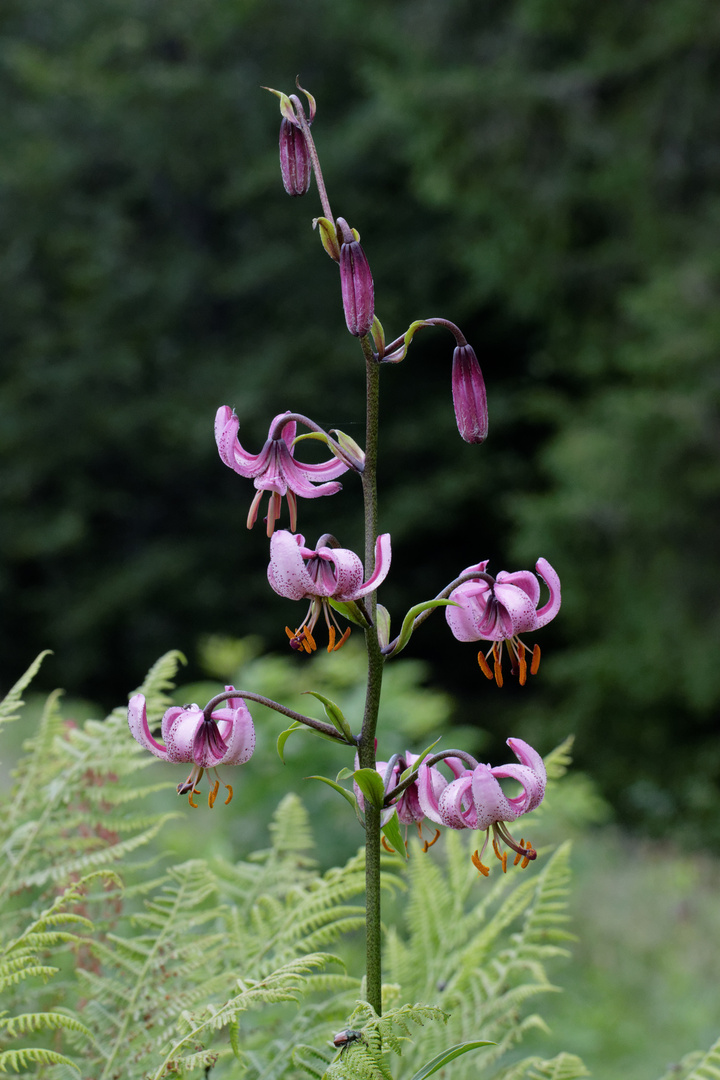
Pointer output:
x,y
335,715
391,831
408,625
369,782
398,354
448,1055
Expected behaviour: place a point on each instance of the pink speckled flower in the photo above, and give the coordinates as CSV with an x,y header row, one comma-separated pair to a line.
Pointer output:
x,y
319,575
275,469
499,609
475,800
226,737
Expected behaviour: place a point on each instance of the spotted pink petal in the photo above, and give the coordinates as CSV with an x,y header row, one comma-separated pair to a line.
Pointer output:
x,y
489,800
549,610
519,607
239,736
455,804
180,737
286,573
466,619
137,721
382,566
533,788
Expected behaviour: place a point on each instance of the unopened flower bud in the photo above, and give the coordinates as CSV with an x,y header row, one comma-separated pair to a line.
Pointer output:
x,y
295,163
356,282
469,396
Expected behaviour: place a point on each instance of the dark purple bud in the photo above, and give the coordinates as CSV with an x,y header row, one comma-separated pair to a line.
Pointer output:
x,y
469,396
294,158
358,294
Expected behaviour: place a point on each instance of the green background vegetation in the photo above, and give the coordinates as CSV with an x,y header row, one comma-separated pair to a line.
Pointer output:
x,y
545,174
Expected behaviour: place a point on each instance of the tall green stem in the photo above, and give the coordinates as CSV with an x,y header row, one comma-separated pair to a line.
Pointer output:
x,y
366,750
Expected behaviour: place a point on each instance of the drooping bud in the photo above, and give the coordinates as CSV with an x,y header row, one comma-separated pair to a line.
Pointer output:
x,y
295,164
358,295
469,395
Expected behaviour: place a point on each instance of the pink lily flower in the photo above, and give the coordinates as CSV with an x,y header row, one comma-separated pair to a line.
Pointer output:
x,y
409,809
326,573
475,800
226,737
275,469
499,609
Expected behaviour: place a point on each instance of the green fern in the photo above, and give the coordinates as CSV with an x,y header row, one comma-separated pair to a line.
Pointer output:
x,y
697,1066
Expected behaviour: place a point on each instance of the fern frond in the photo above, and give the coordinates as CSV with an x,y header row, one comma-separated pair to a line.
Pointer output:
x,y
158,683
13,1026
559,760
706,1068
20,1059
12,704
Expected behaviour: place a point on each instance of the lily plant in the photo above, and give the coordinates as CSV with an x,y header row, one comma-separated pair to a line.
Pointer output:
x,y
407,787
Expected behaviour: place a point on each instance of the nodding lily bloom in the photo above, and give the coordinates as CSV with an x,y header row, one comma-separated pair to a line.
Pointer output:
x,y
227,737
275,469
499,609
326,573
475,800
408,807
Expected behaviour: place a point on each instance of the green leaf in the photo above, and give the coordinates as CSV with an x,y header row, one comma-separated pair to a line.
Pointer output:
x,y
284,736
382,621
421,757
448,1055
391,831
343,791
369,782
407,626
350,611
335,715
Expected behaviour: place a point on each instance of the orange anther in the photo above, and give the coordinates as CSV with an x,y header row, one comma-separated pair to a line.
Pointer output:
x,y
190,795
342,640
519,856
331,638
484,870
387,847
229,790
525,862
496,666
484,667
523,669
212,795
308,641
535,660
429,843
496,849
504,862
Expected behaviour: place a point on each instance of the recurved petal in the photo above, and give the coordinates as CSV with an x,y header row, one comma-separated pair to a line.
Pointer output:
x,y
301,480
489,799
456,807
181,734
519,607
231,452
286,573
382,566
347,576
532,785
430,785
137,722
523,579
527,755
465,620
549,610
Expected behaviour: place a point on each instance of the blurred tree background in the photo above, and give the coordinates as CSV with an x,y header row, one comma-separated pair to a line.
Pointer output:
x,y
546,174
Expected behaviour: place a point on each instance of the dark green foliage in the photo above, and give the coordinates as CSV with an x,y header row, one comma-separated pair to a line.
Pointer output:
x,y
542,173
